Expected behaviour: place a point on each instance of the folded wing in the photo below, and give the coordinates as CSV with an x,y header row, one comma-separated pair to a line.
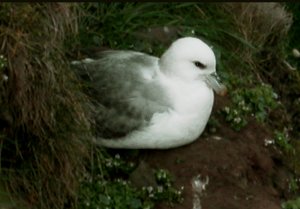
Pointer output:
x,y
124,91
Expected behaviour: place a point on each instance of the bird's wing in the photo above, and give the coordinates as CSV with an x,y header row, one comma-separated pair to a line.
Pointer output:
x,y
124,89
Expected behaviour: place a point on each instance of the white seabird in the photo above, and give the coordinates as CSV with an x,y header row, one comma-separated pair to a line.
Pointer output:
x,y
145,102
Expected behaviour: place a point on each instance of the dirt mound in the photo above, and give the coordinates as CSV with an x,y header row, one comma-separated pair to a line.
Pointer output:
x,y
243,172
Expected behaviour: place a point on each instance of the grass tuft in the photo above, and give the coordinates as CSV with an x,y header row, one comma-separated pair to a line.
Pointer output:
x,y
44,126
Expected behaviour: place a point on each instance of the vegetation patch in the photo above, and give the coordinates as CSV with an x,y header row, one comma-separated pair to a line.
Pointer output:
x,y
292,204
43,133
255,102
106,185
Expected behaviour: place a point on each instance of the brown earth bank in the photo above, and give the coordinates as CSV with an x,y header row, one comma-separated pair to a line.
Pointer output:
x,y
243,172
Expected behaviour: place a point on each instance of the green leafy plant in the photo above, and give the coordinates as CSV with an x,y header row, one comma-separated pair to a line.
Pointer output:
x,y
256,102
3,65
165,191
291,204
3,62
112,189
293,185
117,165
281,140
99,193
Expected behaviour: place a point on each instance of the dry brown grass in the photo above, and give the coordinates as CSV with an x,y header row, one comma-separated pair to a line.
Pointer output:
x,y
258,21
263,25
43,126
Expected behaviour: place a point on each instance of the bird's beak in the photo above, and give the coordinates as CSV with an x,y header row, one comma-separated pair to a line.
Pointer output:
x,y
213,81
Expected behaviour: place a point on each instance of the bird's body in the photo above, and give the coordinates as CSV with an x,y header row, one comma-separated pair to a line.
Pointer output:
x,y
141,101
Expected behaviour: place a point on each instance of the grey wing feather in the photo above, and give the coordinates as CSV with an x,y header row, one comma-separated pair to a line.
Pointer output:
x,y
123,99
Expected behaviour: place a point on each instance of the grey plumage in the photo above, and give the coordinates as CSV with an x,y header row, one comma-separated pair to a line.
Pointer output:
x,y
123,89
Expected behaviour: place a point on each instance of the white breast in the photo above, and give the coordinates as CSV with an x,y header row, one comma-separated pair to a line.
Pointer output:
x,y
183,124
179,126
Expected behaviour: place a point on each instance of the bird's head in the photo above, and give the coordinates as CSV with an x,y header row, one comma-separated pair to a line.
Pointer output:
x,y
191,59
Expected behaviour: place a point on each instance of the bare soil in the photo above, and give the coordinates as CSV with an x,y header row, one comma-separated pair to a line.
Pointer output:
x,y
243,172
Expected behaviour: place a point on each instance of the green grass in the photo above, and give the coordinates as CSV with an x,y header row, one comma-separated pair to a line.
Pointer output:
x,y
115,24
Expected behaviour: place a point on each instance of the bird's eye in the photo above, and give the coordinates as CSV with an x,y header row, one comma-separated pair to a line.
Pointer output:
x,y
199,65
